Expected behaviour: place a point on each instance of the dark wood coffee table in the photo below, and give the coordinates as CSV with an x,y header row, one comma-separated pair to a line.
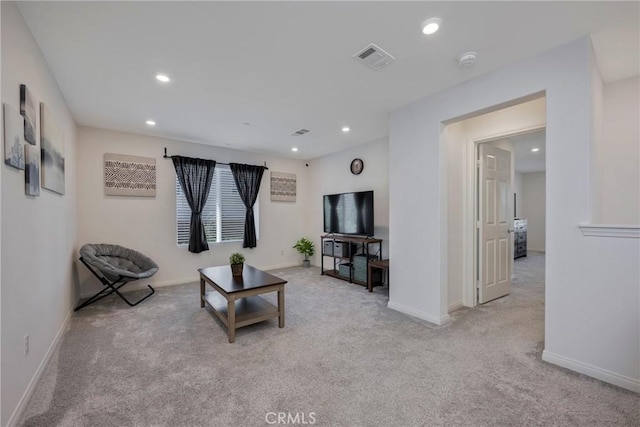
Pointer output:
x,y
235,299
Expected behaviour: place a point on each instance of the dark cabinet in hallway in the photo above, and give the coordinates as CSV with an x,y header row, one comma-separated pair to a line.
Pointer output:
x,y
519,238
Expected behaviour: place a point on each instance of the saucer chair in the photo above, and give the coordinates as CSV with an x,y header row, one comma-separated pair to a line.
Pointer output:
x,y
115,266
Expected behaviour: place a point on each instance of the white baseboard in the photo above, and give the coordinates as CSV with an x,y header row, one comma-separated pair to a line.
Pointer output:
x,y
418,313
143,285
607,376
172,282
22,404
539,251
280,266
455,306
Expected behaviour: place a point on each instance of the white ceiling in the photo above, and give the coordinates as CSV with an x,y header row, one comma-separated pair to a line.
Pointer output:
x,y
282,66
526,160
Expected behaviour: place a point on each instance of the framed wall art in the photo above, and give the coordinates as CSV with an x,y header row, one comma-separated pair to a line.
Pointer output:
x,y
31,170
13,137
283,187
51,152
28,111
129,175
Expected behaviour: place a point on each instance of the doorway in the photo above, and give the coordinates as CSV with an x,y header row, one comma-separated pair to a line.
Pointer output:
x,y
462,139
512,209
493,219
529,212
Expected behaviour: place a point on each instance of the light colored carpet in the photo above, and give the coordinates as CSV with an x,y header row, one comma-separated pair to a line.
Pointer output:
x,y
343,356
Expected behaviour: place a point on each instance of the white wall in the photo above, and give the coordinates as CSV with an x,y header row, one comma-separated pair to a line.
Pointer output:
x,y
591,283
457,176
524,116
619,153
595,143
38,233
149,224
518,191
331,174
533,209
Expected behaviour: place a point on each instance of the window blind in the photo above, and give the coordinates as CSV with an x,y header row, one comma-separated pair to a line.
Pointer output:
x,y
223,214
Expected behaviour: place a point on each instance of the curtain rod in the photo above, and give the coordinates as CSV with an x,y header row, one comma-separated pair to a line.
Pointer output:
x,y
219,163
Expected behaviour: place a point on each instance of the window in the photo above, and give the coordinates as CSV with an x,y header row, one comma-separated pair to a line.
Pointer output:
x,y
223,215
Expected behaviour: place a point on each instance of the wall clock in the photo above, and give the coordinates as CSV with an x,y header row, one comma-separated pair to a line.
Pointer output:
x,y
357,165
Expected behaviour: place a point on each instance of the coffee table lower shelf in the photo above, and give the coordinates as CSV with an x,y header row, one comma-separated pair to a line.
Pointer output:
x,y
249,310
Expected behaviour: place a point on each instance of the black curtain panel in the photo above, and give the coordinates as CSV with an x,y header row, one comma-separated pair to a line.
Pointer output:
x,y
248,178
195,176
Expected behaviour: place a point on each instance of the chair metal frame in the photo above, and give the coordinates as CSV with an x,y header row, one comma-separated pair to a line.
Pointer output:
x,y
111,287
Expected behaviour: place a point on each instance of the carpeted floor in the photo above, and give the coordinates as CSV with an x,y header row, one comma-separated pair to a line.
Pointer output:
x,y
343,359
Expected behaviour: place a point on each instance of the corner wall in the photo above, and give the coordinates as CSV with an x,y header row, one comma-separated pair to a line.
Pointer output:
x,y
455,144
38,233
148,224
331,174
518,191
619,154
591,282
533,209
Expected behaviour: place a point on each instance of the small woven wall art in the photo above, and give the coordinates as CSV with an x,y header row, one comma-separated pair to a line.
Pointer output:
x,y
283,187
129,175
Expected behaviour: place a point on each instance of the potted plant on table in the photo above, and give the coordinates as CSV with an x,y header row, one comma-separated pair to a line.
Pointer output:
x,y
237,263
307,248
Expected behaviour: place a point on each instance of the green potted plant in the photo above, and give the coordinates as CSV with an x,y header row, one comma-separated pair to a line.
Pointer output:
x,y
307,248
237,263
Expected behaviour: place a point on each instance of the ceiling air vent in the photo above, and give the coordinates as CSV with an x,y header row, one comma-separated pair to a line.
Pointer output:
x,y
374,57
300,132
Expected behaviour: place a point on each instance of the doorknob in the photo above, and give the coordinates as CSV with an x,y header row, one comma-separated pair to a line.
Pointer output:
x,y
510,230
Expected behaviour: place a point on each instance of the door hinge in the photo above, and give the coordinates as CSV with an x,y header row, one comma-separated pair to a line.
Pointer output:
x,y
477,224
478,163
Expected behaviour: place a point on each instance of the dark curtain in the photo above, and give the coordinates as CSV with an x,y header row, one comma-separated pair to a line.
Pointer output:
x,y
248,178
195,177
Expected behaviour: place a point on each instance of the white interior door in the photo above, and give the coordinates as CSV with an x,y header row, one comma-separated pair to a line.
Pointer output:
x,y
494,223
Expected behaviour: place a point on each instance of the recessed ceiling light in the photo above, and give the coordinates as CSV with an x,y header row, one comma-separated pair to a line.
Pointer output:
x,y
535,150
163,78
294,148
150,122
346,129
431,25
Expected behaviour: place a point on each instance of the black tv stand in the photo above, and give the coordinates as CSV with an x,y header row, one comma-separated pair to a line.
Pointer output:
x,y
351,258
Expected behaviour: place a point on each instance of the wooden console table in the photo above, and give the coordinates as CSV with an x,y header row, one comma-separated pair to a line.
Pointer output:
x,y
235,299
343,251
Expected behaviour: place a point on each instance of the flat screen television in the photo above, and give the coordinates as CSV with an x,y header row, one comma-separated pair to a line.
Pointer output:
x,y
349,213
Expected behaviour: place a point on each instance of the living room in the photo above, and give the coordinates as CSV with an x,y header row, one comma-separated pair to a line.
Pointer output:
x,y
403,169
